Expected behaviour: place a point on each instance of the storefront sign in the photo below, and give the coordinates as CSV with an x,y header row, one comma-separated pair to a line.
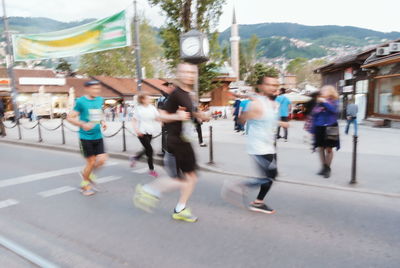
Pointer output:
x,y
348,89
4,81
42,81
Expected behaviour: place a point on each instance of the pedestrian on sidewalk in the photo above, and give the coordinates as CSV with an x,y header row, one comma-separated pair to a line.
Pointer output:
x,y
262,118
178,114
352,110
88,116
146,125
284,111
2,112
236,109
308,124
168,89
326,127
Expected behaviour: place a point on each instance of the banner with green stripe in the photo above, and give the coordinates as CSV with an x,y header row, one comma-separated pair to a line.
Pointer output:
x,y
104,34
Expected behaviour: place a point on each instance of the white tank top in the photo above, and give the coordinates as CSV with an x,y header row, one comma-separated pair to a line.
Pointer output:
x,y
261,131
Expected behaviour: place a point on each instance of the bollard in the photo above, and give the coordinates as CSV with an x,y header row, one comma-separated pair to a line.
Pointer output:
x,y
39,131
19,130
354,162
211,147
123,137
62,131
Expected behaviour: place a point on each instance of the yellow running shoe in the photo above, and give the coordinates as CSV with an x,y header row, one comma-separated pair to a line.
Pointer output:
x,y
144,200
184,215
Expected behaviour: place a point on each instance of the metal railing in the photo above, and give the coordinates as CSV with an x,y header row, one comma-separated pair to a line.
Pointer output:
x,y
63,126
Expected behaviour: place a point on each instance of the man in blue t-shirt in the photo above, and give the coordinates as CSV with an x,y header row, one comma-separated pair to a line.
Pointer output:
x,y
284,111
88,116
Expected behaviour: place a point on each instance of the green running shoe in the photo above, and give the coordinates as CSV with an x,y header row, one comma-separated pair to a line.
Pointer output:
x,y
184,215
144,200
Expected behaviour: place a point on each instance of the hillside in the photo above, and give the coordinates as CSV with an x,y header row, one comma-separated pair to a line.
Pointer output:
x,y
292,40
39,25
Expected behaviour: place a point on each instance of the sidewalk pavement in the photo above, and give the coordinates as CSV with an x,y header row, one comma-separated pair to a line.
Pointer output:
x,y
377,167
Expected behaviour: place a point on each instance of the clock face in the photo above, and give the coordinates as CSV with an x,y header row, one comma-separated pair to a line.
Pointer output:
x,y
191,46
206,47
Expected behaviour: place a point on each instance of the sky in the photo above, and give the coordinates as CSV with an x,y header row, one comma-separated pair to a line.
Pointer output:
x,y
382,15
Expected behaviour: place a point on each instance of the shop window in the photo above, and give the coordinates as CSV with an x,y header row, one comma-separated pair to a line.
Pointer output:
x,y
387,96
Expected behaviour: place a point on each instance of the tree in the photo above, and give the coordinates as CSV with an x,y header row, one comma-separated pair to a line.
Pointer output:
x,y
261,70
248,55
304,71
64,66
121,61
180,20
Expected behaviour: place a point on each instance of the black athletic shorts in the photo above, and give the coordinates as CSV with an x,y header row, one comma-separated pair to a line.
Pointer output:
x,y
92,147
183,153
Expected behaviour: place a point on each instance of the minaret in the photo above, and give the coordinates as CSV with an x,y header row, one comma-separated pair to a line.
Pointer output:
x,y
235,39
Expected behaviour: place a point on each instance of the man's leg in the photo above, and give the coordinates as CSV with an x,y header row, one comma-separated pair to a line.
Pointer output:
x,y
187,188
2,127
355,127
285,130
268,168
348,122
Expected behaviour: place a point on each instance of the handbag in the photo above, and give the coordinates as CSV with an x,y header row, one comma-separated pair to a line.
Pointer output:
x,y
332,133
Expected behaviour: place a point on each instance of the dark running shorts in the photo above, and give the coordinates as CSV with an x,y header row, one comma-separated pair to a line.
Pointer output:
x,y
183,153
92,147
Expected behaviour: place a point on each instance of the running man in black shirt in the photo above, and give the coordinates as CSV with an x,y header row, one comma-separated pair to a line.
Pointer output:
x,y
178,114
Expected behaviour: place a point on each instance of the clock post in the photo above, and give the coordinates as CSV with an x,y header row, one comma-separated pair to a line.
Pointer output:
x,y
194,48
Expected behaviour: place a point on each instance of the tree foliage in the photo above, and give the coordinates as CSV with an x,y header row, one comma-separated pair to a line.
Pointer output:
x,y
261,70
121,61
248,55
180,19
64,66
304,71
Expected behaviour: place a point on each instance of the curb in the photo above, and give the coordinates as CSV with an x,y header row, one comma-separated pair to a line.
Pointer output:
x,y
202,167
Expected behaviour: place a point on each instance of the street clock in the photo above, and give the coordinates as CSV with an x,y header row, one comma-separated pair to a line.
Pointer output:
x,y
194,47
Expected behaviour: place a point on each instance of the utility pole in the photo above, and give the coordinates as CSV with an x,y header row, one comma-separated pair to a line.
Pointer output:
x,y
137,47
10,63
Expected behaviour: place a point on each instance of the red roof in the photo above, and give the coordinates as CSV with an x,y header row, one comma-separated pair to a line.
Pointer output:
x,y
79,86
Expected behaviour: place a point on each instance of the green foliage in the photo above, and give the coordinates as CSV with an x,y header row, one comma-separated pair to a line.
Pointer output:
x,y
296,65
121,61
247,55
259,71
282,47
304,71
64,66
180,20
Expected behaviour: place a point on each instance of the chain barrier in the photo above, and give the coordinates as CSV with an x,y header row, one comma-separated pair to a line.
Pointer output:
x,y
112,135
50,129
70,129
30,128
64,126
12,126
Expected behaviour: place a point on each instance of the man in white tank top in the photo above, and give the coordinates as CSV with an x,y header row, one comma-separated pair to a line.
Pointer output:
x,y
262,121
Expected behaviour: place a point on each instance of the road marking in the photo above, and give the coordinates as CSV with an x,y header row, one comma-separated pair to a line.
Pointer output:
x,y
42,176
26,254
141,170
8,203
108,179
56,191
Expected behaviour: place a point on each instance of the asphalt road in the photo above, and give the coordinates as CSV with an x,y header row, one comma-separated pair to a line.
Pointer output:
x,y
41,210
